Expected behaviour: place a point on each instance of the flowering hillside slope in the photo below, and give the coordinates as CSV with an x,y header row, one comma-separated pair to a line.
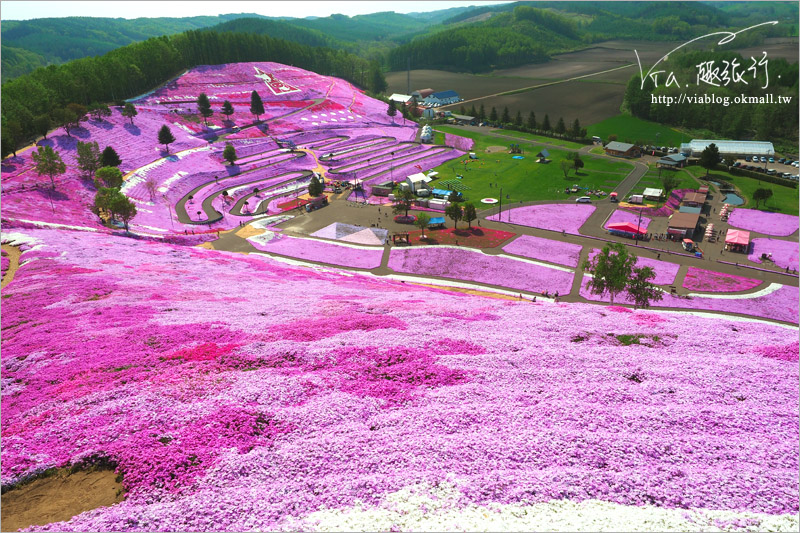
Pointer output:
x,y
315,114
237,393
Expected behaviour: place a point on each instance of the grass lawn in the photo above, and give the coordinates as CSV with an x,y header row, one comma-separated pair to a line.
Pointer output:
x,y
653,180
438,138
632,129
540,138
525,180
784,199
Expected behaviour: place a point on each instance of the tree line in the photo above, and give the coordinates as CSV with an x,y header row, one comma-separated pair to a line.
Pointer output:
x,y
762,121
134,69
529,124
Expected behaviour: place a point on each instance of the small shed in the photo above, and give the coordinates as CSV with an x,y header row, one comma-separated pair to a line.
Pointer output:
x,y
653,194
619,149
417,181
400,98
683,224
672,161
694,198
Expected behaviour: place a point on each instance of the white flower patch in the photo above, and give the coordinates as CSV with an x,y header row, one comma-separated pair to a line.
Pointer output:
x,y
18,239
185,128
265,222
423,508
772,287
264,238
169,181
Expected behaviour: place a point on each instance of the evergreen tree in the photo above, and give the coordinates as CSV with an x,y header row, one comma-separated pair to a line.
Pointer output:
x,y
129,111
561,128
256,105
65,118
518,119
506,118
709,159
377,82
546,123
165,136
575,132
482,113
204,107
48,162
577,162
473,112
229,153
110,158
531,121
227,109
462,110
493,115
88,157
392,111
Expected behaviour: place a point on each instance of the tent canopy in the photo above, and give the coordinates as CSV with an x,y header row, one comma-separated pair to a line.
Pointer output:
x,y
613,194
436,220
735,236
630,227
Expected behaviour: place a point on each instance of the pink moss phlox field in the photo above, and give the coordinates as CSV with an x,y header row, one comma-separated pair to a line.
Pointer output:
x,y
123,352
784,253
553,217
468,265
322,251
620,216
300,94
464,144
563,253
787,352
781,304
708,281
776,224
664,270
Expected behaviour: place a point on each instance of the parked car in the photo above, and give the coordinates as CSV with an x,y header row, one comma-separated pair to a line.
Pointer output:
x,y
772,171
771,159
747,158
583,200
782,160
737,164
763,159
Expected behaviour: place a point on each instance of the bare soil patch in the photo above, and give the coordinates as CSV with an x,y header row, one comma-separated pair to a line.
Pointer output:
x,y
59,497
13,264
493,149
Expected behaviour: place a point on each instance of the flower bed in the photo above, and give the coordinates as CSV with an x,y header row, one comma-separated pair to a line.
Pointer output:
x,y
664,270
554,217
563,253
470,238
469,265
458,142
708,281
319,251
336,397
672,204
767,223
781,304
784,253
621,216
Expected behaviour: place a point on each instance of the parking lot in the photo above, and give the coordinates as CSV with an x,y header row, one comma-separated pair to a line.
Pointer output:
x,y
787,169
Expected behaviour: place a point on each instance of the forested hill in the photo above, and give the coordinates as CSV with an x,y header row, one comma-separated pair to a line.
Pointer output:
x,y
46,98
29,44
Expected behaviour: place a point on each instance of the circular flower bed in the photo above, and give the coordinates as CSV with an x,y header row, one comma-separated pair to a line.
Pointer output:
x,y
405,219
489,201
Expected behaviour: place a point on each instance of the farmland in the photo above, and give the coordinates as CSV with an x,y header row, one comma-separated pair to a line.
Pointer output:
x,y
631,129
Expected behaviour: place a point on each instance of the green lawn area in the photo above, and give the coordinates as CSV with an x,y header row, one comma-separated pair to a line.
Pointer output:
x,y
652,180
524,180
784,199
540,138
631,129
438,138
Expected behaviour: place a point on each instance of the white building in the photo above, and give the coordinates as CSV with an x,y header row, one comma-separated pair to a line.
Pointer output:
x,y
400,98
695,148
417,181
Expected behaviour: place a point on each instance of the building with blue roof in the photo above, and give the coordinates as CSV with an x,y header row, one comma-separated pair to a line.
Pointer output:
x,y
442,98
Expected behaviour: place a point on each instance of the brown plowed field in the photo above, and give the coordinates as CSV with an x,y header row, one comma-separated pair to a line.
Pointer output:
x,y
466,85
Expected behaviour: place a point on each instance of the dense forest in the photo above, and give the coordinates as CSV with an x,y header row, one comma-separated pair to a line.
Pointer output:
x,y
29,44
40,97
760,121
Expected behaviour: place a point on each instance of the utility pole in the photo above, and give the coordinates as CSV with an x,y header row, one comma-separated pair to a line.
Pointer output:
x,y
408,75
